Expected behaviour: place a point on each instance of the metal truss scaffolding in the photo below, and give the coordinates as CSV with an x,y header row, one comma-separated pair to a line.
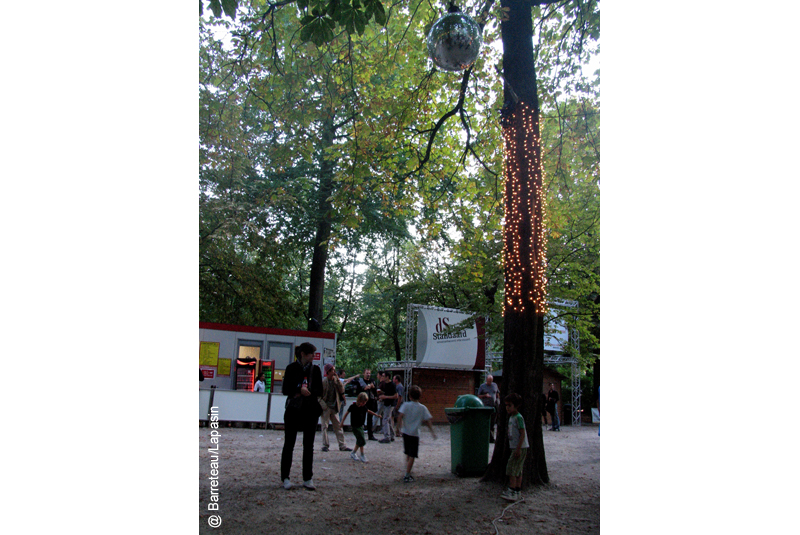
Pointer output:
x,y
575,381
555,360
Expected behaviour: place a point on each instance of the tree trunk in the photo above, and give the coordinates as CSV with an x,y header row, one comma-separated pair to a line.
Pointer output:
x,y
316,286
398,312
524,252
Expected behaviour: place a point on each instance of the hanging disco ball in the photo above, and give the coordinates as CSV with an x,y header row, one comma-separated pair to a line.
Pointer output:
x,y
454,42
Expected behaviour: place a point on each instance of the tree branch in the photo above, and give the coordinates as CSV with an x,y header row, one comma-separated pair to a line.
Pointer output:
x,y
459,105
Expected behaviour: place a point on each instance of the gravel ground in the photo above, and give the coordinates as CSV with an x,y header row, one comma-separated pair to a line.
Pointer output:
x,y
355,497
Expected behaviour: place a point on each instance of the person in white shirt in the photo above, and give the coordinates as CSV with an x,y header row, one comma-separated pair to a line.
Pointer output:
x,y
412,414
260,385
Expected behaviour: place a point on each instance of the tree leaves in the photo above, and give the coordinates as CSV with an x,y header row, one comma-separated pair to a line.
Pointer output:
x,y
229,6
264,106
318,26
217,7
571,154
374,9
352,19
263,102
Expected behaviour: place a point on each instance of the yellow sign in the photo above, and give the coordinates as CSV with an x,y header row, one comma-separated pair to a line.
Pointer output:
x,y
277,375
209,353
224,367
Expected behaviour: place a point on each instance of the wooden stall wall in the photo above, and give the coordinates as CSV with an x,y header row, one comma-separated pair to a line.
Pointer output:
x,y
441,388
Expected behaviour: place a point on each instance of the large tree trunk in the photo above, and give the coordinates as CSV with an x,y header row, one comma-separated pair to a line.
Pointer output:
x,y
316,286
524,254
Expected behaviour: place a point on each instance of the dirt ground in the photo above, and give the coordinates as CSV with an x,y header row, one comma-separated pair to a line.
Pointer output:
x,y
371,498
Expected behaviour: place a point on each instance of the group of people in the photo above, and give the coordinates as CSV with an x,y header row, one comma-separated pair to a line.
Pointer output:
x,y
489,393
311,396
384,398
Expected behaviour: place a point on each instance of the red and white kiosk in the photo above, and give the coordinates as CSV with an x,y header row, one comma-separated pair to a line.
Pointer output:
x,y
232,356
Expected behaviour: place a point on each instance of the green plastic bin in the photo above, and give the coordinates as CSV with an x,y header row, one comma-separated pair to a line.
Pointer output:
x,y
470,423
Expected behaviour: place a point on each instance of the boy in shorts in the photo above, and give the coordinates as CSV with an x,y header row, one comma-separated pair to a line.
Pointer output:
x,y
358,412
409,418
518,444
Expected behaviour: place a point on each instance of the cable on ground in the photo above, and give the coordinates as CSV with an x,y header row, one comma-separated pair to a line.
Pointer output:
x,y
497,531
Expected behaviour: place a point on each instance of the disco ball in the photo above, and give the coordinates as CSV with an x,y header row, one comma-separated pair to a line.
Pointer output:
x,y
454,42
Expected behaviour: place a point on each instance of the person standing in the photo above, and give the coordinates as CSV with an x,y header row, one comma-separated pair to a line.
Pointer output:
x,y
343,401
552,408
543,405
366,384
412,415
490,396
388,397
518,445
302,386
260,385
332,388
398,386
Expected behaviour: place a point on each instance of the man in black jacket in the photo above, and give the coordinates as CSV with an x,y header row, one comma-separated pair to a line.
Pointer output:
x,y
302,385
552,408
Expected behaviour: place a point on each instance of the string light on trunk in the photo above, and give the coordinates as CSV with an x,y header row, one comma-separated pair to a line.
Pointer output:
x,y
524,245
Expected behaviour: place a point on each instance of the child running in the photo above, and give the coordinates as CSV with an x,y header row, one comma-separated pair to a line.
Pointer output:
x,y
518,443
410,415
358,412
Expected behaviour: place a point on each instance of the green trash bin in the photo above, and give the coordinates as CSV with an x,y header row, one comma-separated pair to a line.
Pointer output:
x,y
470,423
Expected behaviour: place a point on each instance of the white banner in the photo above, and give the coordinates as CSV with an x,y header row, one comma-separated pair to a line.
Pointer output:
x,y
556,336
439,346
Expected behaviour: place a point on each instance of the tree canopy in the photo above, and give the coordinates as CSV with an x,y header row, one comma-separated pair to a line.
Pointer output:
x,y
343,177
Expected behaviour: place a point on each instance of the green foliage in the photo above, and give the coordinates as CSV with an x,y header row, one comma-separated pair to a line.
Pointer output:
x,y
241,279
566,38
218,6
266,108
322,17
376,323
571,154
401,233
